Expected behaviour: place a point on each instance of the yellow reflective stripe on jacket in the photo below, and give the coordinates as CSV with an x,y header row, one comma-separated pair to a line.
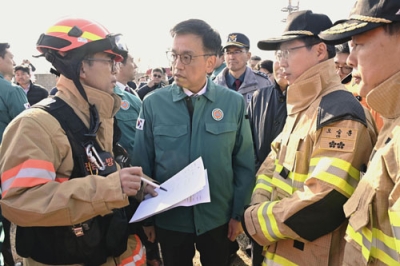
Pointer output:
x,y
363,240
263,182
376,245
336,172
394,218
267,221
293,182
274,259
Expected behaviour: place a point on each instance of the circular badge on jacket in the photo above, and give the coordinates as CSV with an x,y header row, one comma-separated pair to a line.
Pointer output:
x,y
124,105
217,114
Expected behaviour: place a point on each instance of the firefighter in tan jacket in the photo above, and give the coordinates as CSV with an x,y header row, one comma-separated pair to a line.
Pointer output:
x,y
373,32
63,203
296,211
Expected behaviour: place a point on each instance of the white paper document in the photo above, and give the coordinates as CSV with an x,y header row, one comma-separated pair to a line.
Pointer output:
x,y
187,188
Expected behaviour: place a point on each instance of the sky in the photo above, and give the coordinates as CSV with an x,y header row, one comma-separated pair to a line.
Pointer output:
x,y
145,24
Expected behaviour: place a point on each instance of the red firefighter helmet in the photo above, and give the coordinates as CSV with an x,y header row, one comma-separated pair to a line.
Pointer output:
x,y
75,33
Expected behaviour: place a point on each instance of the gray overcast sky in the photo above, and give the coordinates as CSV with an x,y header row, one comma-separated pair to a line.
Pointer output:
x,y
146,24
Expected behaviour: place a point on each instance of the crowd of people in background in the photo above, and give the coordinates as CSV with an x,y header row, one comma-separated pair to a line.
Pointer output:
x,y
301,150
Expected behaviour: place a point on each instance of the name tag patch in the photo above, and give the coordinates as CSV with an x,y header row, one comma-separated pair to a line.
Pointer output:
x,y
338,139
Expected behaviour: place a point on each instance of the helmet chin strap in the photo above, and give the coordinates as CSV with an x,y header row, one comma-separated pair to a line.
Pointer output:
x,y
69,66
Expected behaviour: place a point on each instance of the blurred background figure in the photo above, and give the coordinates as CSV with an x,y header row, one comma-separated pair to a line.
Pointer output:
x,y
253,62
219,64
265,67
342,68
34,92
237,75
157,80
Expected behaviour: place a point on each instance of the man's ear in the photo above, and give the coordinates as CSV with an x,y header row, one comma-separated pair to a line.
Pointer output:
x,y
322,51
210,64
82,71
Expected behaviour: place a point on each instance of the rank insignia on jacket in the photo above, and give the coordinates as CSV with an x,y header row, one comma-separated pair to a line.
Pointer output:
x,y
140,123
338,139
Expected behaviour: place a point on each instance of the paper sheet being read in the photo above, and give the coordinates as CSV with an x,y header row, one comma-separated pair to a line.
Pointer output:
x,y
186,188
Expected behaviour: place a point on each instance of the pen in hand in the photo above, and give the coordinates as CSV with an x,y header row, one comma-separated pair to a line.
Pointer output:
x,y
152,183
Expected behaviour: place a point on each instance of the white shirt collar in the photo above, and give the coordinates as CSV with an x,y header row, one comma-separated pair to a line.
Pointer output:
x,y
121,86
202,91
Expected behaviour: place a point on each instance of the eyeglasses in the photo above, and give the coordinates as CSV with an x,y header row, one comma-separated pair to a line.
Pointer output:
x,y
111,62
186,59
284,54
234,53
156,76
344,69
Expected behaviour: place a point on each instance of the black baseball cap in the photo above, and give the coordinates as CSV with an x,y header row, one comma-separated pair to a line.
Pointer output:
x,y
365,15
298,24
238,40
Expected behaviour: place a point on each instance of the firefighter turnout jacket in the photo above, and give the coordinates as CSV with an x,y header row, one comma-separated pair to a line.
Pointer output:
x,y
373,233
314,166
36,162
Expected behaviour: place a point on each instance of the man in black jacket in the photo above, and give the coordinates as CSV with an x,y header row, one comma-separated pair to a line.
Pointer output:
x,y
34,92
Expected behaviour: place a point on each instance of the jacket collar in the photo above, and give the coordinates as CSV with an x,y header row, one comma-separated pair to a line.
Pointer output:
x,y
385,97
100,99
317,81
210,94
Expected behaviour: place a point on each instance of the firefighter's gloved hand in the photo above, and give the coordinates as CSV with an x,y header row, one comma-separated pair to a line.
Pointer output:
x,y
130,180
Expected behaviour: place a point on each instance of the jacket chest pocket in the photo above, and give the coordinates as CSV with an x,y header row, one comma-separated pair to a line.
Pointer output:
x,y
291,157
170,137
359,205
287,178
222,135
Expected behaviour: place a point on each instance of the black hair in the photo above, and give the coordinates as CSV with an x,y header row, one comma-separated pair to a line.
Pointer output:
x,y
392,28
342,48
210,37
23,68
255,57
3,48
267,64
220,52
309,41
158,69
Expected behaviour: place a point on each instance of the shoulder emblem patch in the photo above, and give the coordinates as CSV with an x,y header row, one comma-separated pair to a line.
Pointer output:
x,y
338,139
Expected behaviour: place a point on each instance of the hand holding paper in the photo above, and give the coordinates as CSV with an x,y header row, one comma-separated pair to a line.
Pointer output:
x,y
186,188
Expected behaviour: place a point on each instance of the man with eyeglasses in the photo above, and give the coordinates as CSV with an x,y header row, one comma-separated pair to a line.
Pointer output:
x,y
157,81
61,186
237,75
195,117
342,69
315,163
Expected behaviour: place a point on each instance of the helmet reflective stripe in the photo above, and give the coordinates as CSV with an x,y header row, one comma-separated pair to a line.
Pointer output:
x,y
65,29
